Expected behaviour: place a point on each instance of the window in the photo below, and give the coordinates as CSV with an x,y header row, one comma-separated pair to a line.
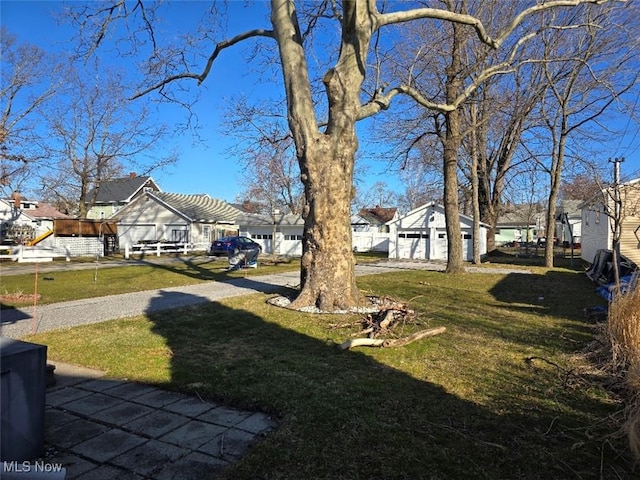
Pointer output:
x,y
262,236
293,237
467,236
179,236
413,235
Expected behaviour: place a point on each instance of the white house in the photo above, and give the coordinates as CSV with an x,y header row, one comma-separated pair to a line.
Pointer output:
x,y
371,229
421,235
280,234
111,195
26,222
597,233
176,218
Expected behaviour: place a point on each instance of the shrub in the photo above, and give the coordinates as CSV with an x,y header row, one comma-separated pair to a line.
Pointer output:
x,y
624,333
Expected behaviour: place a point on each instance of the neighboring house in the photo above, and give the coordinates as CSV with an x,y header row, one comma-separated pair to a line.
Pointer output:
x,y
25,221
421,235
371,228
569,222
175,218
518,224
114,194
597,231
43,232
280,234
374,219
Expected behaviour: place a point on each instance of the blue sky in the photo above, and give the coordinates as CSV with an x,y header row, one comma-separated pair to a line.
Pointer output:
x,y
206,167
203,167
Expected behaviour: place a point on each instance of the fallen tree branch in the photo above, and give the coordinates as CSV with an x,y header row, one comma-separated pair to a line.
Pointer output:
x,y
430,332
361,342
377,342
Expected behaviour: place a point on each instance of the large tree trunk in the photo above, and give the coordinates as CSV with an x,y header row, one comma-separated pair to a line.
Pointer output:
x,y
327,276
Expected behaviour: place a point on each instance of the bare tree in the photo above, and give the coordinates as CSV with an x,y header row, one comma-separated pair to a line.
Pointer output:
x,y
587,72
98,132
326,149
270,172
272,183
580,187
30,78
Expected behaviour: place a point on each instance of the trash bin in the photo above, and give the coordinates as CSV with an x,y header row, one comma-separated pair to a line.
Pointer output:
x,y
22,399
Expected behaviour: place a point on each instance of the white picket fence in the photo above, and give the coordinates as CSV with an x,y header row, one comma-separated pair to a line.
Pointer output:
x,y
370,242
159,248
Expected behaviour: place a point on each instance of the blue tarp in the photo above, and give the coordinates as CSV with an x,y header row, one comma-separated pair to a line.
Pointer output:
x,y
627,283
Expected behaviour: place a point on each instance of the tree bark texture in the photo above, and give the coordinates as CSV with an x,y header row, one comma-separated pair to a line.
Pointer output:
x,y
327,276
452,143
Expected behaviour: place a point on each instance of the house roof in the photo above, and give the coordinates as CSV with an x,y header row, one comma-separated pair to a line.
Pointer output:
x,y
45,210
435,206
570,207
257,220
378,214
40,211
121,189
199,207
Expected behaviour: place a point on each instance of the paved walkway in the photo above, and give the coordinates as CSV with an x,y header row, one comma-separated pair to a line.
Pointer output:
x,y
104,429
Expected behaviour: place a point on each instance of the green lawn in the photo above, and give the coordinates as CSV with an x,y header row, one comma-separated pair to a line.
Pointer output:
x,y
102,278
504,393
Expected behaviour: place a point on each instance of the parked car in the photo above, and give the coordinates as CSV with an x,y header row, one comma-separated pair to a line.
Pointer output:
x,y
226,245
542,241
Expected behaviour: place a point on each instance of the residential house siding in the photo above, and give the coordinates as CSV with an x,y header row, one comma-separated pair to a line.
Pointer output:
x,y
597,232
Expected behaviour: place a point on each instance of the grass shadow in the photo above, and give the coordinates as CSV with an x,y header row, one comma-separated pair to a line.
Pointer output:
x,y
353,415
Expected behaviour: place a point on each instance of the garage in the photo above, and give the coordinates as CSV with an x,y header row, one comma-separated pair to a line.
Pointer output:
x,y
421,235
413,245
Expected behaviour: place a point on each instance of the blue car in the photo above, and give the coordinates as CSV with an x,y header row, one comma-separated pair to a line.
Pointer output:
x,y
225,246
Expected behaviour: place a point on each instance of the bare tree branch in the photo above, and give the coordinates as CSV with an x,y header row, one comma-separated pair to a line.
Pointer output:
x,y
200,77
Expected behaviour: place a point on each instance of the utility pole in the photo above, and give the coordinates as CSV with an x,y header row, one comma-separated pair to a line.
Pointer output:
x,y
617,219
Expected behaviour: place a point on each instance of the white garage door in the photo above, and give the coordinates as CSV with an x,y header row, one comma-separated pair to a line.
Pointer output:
x,y
467,244
291,245
413,245
441,248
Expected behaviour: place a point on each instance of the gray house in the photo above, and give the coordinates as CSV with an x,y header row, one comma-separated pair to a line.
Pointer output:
x,y
110,196
175,218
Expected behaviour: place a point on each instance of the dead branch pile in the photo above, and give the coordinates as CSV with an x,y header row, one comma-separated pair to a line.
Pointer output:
x,y
390,315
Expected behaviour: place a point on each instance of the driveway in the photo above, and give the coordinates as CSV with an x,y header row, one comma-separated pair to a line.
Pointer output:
x,y
16,323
